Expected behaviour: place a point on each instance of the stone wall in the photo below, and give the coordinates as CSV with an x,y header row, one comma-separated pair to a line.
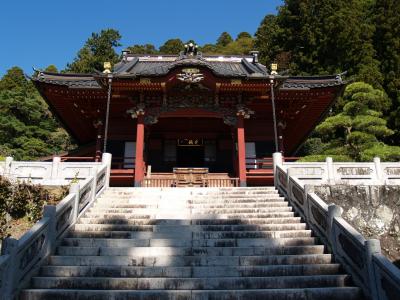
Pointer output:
x,y
373,210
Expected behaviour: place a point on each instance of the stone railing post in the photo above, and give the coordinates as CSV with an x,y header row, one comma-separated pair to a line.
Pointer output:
x,y
75,189
9,161
106,159
289,173
329,167
333,212
49,211
372,246
94,183
378,171
277,160
308,189
55,167
9,247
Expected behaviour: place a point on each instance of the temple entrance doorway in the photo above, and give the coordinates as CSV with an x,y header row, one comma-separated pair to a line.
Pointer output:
x,y
190,156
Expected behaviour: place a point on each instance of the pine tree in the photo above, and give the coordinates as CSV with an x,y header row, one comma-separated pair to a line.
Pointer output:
x,y
359,130
224,39
172,46
99,48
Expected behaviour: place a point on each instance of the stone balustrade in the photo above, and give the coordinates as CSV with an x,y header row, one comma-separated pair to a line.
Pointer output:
x,y
21,258
373,272
353,173
47,173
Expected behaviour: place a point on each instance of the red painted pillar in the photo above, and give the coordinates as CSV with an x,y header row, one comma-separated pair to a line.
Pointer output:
x,y
241,150
139,164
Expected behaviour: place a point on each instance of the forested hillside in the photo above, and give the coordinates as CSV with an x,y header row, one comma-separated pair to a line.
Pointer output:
x,y
306,37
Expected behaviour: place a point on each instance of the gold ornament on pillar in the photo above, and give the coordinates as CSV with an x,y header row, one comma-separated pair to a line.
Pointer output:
x,y
244,111
136,111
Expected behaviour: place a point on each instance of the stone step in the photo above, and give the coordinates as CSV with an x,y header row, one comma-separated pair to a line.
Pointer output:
x,y
167,222
216,283
188,251
176,272
191,206
188,211
190,191
331,293
191,235
194,198
106,242
186,228
192,216
181,261
187,203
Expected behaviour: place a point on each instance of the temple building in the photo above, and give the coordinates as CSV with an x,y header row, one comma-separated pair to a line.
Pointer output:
x,y
156,114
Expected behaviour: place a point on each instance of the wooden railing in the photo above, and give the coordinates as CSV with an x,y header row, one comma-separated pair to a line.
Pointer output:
x,y
158,182
264,162
123,162
210,182
222,182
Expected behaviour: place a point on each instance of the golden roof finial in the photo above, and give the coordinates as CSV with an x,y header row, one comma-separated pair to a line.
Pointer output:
x,y
274,69
107,67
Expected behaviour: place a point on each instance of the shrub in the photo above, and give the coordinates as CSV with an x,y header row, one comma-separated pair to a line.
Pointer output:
x,y
321,158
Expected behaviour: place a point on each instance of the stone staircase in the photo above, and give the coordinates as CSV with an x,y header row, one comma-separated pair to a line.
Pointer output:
x,y
191,243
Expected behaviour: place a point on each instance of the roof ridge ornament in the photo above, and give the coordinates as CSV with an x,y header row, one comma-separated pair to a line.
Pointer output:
x,y
190,49
255,56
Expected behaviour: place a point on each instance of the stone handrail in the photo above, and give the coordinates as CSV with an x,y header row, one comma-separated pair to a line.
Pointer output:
x,y
373,272
21,258
47,173
330,172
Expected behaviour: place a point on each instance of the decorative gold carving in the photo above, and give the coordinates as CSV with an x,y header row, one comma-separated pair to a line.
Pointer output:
x,y
190,75
236,81
138,110
244,111
145,80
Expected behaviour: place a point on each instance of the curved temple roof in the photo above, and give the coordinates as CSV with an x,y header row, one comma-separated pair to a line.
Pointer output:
x,y
240,67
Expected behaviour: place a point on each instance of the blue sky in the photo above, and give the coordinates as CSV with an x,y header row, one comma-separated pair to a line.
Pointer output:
x,y
43,32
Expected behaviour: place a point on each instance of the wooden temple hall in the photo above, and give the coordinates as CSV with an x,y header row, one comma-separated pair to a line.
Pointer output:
x,y
188,119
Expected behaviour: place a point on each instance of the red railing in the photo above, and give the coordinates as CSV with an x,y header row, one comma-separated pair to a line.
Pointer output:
x,y
264,162
127,162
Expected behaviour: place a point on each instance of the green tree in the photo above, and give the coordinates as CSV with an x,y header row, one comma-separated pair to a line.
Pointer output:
x,y
224,39
358,130
209,49
323,36
143,49
14,78
172,46
27,128
241,46
266,39
52,69
99,48
387,46
243,34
